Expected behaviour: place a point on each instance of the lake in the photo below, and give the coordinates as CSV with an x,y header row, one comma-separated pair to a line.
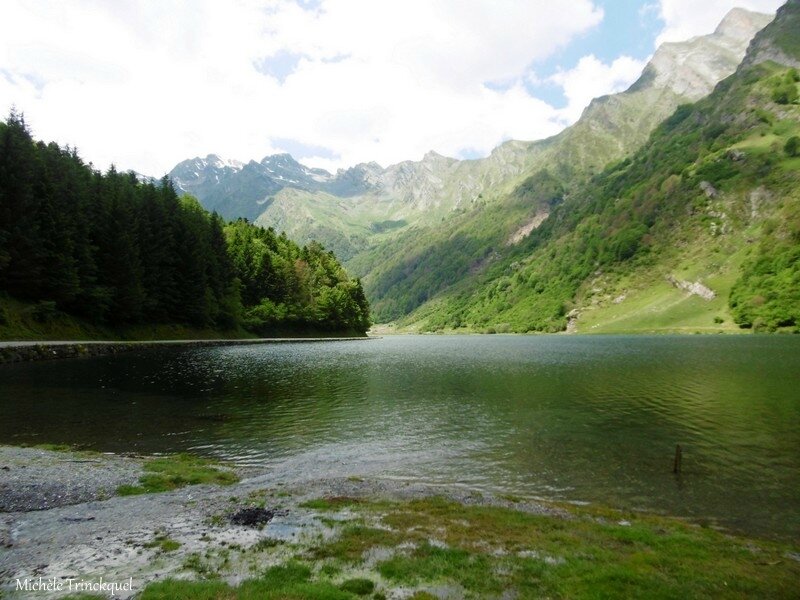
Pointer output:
x,y
578,418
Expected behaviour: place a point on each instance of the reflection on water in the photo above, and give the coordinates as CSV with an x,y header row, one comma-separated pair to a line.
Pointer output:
x,y
580,418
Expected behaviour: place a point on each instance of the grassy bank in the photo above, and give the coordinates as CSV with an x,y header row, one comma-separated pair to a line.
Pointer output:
x,y
162,473
171,472
24,321
438,548
346,538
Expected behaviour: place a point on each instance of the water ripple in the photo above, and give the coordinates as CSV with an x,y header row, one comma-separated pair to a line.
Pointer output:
x,y
576,418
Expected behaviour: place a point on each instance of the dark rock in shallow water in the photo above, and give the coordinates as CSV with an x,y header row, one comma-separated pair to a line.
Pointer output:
x,y
252,517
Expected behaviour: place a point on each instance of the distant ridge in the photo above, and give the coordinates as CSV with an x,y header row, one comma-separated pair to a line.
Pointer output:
x,y
346,210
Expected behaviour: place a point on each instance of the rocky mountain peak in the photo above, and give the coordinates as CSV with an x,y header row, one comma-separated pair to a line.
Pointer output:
x,y
356,180
739,24
283,159
610,127
694,67
433,156
217,162
211,161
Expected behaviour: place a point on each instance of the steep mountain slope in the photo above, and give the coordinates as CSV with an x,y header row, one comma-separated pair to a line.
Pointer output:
x,y
678,72
380,202
411,267
698,230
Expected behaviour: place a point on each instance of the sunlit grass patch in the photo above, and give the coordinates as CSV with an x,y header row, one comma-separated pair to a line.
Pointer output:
x,y
175,471
54,447
288,582
163,543
431,544
591,552
427,563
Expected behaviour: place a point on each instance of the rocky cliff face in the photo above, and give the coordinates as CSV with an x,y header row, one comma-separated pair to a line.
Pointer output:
x,y
780,41
692,69
612,127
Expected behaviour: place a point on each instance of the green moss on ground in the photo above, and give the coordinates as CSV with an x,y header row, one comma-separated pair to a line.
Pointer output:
x,y
287,582
163,543
483,551
168,473
359,586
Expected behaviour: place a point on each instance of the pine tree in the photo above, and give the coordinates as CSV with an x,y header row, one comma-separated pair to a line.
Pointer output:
x,y
19,210
116,251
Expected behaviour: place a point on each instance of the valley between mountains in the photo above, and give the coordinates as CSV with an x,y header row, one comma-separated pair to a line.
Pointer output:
x,y
669,207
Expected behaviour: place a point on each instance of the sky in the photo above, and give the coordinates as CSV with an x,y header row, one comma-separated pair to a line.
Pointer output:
x,y
146,84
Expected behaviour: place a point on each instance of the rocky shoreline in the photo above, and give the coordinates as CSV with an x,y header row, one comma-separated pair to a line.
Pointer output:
x,y
12,352
62,523
60,518
34,479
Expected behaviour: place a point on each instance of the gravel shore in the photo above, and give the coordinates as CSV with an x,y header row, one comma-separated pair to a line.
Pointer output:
x,y
34,479
25,351
59,517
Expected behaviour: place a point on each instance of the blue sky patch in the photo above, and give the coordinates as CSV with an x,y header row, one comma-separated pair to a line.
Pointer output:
x,y
469,154
300,151
629,28
280,65
309,4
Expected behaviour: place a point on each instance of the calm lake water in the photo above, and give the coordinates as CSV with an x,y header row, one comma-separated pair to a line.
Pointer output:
x,y
567,417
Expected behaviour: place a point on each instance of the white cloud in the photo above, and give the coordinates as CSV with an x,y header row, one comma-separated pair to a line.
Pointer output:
x,y
592,78
684,19
147,84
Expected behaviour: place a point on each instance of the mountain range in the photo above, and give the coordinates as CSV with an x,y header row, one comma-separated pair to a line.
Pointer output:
x,y
346,209
422,233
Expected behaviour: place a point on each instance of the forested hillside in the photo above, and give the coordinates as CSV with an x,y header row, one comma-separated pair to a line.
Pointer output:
x,y
699,229
115,253
691,229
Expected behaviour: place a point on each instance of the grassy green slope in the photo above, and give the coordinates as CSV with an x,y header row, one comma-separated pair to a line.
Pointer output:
x,y
403,273
318,216
610,248
414,195
454,251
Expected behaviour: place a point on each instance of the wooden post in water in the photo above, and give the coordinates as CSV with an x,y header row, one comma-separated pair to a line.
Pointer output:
x,y
676,467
